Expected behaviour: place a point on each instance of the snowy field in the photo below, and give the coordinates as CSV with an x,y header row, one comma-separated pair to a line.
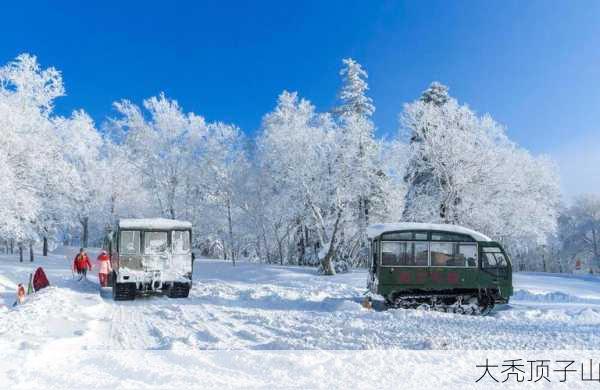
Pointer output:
x,y
257,307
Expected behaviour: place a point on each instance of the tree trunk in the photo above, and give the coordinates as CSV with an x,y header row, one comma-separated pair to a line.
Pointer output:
x,y
595,247
12,246
31,252
280,248
113,201
266,244
258,250
85,228
306,240
230,223
45,247
327,262
443,212
594,242
21,253
544,263
302,245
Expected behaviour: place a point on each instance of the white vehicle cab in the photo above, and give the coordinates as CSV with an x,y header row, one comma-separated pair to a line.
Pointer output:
x,y
151,255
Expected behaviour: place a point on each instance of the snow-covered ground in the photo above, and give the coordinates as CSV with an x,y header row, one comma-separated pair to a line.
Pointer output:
x,y
259,307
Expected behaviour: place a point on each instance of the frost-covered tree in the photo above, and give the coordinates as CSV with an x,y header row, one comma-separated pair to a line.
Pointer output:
x,y
358,149
580,230
54,169
82,145
33,156
358,152
436,94
296,154
353,95
163,148
303,193
122,188
17,205
327,172
463,169
25,82
190,168
223,168
420,177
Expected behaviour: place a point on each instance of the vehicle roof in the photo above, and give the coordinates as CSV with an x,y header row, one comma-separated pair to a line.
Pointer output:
x,y
378,229
154,224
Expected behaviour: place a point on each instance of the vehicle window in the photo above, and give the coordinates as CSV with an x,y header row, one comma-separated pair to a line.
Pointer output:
x,y
155,243
420,236
404,236
501,260
400,236
421,253
391,252
453,254
130,242
488,260
181,241
441,253
449,237
468,252
492,249
502,263
404,253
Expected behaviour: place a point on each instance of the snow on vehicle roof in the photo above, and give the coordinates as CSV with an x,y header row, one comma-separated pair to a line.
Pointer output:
x,y
378,229
154,223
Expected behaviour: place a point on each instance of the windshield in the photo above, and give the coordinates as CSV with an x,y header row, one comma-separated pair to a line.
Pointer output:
x,y
493,258
130,242
181,242
155,243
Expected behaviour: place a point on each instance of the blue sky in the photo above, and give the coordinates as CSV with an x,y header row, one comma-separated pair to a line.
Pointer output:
x,y
533,65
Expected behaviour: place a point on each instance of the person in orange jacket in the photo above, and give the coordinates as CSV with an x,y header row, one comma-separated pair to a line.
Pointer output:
x,y
104,268
82,264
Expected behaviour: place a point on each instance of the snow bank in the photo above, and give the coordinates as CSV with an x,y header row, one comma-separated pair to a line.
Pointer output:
x,y
250,308
551,297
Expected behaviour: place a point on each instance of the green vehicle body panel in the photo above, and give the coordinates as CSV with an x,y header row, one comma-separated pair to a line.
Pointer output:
x,y
434,279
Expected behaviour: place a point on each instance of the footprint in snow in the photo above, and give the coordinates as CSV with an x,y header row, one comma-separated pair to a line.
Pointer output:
x,y
28,345
246,335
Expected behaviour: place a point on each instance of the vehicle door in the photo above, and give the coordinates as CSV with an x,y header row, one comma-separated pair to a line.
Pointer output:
x,y
495,263
181,263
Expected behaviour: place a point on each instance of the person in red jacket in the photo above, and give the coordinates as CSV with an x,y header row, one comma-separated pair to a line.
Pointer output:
x,y
82,264
103,268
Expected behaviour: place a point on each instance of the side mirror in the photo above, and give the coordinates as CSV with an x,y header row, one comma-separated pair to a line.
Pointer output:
x,y
193,256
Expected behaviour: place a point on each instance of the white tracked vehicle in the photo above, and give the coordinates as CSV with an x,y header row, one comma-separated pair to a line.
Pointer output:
x,y
151,256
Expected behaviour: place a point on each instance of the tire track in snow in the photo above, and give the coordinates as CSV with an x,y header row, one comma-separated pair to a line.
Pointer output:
x,y
291,311
131,328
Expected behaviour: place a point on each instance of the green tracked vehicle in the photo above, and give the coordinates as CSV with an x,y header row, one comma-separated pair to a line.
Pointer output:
x,y
439,267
